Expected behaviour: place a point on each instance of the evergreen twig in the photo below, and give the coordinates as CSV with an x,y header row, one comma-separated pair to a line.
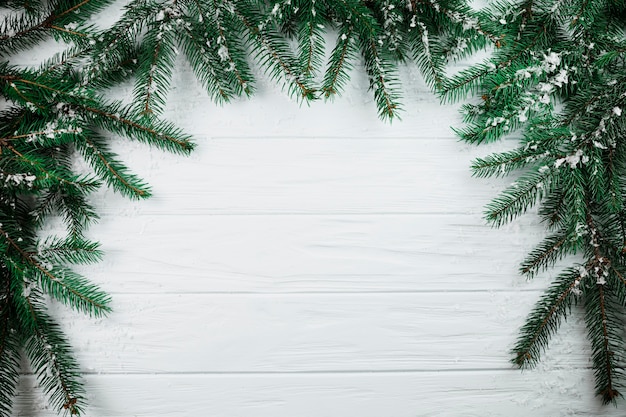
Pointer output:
x,y
557,78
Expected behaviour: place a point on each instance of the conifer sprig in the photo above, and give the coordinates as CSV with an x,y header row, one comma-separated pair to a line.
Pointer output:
x,y
556,78
218,38
54,114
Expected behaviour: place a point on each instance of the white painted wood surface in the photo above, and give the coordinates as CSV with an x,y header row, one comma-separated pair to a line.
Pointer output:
x,y
315,262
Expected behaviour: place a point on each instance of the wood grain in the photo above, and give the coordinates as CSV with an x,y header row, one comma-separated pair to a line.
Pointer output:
x,y
424,394
309,175
311,253
313,333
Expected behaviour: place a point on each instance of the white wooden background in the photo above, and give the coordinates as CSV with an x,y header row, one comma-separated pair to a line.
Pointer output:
x,y
315,262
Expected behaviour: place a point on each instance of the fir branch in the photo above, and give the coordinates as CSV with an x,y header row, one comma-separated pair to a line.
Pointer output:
x,y
69,250
160,133
517,198
603,323
310,40
209,67
545,255
546,317
49,353
116,174
502,164
544,58
62,284
382,75
53,110
9,346
272,51
233,54
155,71
23,30
553,209
337,72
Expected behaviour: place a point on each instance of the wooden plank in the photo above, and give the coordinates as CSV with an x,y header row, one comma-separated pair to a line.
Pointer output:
x,y
432,394
305,176
312,333
312,253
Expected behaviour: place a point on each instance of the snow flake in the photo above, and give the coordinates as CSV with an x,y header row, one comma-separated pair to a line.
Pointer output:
x,y
495,121
601,127
223,53
617,111
470,24
572,159
425,40
560,79
50,130
523,115
28,287
461,45
546,87
18,179
551,61
581,230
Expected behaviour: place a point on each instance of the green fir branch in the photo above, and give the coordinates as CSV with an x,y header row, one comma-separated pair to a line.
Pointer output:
x,y
603,318
9,346
546,317
95,150
340,62
156,59
552,249
50,355
69,250
556,78
310,38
